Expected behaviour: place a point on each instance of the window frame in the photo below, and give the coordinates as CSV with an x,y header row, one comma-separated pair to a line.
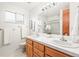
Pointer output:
x,y
15,22
16,18
10,21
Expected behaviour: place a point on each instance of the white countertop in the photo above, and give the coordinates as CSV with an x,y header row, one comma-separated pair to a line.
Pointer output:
x,y
48,42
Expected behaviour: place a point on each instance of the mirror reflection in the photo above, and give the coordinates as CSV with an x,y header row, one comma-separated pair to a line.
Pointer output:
x,y
56,19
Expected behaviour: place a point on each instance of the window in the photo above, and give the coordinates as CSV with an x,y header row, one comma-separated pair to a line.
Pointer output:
x,y
14,17
9,17
19,18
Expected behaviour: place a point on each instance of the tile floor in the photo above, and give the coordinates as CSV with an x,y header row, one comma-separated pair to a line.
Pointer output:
x,y
12,50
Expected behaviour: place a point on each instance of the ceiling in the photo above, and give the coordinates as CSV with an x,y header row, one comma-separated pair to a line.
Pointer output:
x,y
35,6
55,10
24,5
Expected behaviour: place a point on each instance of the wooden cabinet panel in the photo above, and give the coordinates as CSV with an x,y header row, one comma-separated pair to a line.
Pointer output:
x,y
41,47
39,53
28,41
29,51
35,45
47,55
35,50
54,53
66,22
38,49
35,55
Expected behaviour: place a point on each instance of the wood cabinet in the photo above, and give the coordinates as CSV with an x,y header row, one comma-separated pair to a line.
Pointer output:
x,y
35,55
36,49
39,46
66,22
29,48
54,53
29,42
38,52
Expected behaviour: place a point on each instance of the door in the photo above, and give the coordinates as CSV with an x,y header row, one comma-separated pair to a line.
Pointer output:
x,y
15,34
15,37
66,22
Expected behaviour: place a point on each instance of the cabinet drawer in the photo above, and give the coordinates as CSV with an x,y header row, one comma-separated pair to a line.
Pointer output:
x,y
41,47
54,53
35,55
39,53
28,41
35,45
47,55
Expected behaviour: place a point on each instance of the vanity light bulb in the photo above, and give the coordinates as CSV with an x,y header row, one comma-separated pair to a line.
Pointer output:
x,y
53,4
42,9
45,7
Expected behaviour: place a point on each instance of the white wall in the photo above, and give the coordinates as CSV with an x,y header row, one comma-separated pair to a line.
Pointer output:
x,y
13,29
74,18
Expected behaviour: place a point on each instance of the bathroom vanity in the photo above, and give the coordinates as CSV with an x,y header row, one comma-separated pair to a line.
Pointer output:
x,y
42,46
36,48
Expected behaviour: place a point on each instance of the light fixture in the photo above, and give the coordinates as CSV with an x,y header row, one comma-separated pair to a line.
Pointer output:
x,y
29,2
53,4
45,7
42,9
49,6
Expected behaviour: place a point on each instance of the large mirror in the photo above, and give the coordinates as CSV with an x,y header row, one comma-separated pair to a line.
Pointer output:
x,y
52,24
52,17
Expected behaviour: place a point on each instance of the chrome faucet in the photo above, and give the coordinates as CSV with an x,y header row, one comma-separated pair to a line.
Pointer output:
x,y
63,39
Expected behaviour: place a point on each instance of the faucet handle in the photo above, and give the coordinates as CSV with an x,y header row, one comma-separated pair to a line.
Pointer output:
x,y
63,39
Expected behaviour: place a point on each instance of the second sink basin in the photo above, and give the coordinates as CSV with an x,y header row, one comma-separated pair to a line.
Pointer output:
x,y
65,44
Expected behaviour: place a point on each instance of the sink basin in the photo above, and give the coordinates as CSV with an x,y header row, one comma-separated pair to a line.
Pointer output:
x,y
35,36
65,44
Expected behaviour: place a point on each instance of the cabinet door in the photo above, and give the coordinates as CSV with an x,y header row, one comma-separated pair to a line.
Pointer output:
x,y
54,53
35,55
47,55
41,47
29,50
35,44
66,22
28,41
38,52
